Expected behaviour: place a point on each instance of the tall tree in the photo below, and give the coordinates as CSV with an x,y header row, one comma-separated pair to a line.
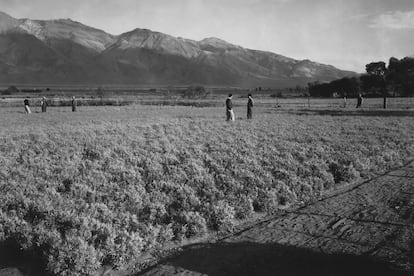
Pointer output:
x,y
379,70
400,75
394,76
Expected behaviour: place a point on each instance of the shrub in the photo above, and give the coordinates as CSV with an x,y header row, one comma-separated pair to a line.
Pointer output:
x,y
195,92
194,224
12,89
124,247
73,257
222,216
342,172
244,207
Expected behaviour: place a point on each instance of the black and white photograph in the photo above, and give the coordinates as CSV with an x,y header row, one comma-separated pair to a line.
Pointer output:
x,y
206,137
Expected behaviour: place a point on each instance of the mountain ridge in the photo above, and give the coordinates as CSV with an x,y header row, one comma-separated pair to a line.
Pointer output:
x,y
77,53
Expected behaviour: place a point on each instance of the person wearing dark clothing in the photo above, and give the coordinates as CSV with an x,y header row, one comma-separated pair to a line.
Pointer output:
x,y
27,106
229,104
359,100
74,104
249,107
229,109
43,103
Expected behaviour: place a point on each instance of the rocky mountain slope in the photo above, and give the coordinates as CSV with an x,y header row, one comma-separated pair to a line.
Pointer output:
x,y
65,51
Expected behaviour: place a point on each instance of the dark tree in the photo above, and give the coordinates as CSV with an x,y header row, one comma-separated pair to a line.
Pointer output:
x,y
343,87
400,76
393,77
376,68
12,89
379,70
100,92
195,92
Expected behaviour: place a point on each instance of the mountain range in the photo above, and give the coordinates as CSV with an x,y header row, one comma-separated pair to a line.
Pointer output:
x,y
64,51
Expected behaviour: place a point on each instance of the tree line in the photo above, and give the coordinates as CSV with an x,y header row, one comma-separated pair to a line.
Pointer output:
x,y
379,80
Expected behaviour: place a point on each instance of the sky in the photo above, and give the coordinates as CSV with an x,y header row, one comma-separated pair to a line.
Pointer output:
x,y
345,33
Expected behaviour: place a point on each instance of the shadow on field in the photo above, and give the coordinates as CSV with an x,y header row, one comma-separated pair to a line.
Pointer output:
x,y
267,259
28,262
359,112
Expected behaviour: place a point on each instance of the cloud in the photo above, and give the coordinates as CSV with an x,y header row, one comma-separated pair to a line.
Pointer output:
x,y
396,20
359,16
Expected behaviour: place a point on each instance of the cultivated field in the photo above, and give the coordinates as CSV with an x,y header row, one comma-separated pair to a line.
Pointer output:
x,y
104,185
216,98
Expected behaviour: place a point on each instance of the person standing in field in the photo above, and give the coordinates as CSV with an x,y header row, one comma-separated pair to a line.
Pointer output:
x,y
360,100
43,103
229,109
345,101
249,107
27,106
74,104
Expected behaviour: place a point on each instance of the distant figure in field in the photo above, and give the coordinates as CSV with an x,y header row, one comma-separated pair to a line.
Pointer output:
x,y
43,103
344,101
360,100
27,106
74,104
249,107
229,109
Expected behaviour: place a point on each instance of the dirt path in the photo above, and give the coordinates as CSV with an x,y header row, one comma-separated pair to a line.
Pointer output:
x,y
365,230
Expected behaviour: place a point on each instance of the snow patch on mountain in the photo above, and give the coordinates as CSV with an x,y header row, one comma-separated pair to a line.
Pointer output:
x,y
34,28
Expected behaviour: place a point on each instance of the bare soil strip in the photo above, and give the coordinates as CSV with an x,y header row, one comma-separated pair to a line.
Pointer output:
x,y
365,230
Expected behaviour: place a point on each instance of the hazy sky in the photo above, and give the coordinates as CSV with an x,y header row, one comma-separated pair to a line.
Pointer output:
x,y
345,33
